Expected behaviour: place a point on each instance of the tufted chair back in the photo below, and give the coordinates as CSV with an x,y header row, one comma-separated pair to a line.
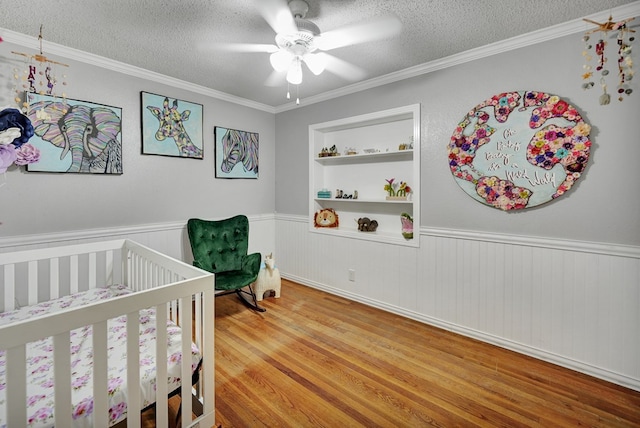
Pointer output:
x,y
219,245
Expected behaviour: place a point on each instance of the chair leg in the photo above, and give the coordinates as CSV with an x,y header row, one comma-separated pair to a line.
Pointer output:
x,y
253,305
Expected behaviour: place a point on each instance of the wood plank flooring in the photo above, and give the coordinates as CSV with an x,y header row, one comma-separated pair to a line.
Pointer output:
x,y
314,359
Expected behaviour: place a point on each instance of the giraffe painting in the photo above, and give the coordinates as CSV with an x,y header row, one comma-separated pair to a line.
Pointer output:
x,y
171,125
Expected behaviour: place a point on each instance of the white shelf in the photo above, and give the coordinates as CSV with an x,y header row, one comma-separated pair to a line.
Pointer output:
x,y
367,157
384,132
363,201
389,238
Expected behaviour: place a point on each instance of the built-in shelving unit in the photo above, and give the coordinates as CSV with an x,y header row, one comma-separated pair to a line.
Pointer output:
x,y
383,145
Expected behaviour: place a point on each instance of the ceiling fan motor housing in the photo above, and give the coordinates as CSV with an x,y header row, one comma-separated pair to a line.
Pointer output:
x,y
299,8
307,30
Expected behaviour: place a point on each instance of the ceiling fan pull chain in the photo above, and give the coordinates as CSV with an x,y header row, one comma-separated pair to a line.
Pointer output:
x,y
297,95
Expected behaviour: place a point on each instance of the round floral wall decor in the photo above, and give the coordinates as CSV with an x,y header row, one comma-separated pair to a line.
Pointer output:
x,y
518,150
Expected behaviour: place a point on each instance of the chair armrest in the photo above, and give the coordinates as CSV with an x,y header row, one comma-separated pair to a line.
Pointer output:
x,y
251,263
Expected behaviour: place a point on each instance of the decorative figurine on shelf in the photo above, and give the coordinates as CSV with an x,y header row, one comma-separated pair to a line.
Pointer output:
x,y
397,192
406,146
367,225
407,225
332,151
403,189
350,151
326,217
390,188
341,195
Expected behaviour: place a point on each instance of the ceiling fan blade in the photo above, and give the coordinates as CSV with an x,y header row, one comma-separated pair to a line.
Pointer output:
x,y
278,15
240,47
343,68
378,28
276,78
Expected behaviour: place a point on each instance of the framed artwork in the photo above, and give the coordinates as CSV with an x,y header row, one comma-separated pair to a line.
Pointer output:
x,y
236,153
171,127
518,150
75,136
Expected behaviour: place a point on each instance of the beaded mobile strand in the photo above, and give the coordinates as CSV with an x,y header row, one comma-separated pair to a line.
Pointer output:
x,y
38,76
625,63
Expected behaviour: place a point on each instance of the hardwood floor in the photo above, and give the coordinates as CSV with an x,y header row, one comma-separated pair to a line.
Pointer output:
x,y
314,359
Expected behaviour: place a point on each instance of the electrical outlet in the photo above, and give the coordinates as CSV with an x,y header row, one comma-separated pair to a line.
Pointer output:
x,y
352,275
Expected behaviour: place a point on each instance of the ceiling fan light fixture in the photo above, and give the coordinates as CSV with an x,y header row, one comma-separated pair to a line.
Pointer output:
x,y
316,62
281,60
294,75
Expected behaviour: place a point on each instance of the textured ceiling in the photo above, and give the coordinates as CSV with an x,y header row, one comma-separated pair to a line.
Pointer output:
x,y
174,38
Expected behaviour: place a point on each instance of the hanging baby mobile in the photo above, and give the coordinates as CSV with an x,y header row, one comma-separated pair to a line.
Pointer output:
x,y
517,150
39,76
624,38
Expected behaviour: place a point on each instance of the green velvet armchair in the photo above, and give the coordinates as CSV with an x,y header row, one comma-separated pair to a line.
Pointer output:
x,y
221,247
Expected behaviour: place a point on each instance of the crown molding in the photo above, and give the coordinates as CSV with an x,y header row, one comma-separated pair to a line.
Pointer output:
x,y
550,33
131,70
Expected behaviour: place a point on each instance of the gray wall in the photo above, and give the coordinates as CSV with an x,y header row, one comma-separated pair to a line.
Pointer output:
x,y
602,207
153,189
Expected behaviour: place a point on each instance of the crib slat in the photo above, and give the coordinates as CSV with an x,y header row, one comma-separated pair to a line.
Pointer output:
x,y
9,290
133,370
92,271
73,277
16,374
100,382
162,390
62,379
198,304
33,282
109,268
54,278
185,370
208,348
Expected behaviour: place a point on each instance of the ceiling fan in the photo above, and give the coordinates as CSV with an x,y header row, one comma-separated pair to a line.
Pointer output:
x,y
299,41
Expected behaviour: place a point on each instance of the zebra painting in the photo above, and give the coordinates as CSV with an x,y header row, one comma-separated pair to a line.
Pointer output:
x,y
236,153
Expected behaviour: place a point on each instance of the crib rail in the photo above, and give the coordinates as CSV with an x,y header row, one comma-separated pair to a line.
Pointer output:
x,y
50,273
173,288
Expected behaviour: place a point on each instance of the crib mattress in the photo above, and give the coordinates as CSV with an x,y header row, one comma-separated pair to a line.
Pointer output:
x,y
40,392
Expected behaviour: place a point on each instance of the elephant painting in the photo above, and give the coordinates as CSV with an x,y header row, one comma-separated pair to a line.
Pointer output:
x,y
84,135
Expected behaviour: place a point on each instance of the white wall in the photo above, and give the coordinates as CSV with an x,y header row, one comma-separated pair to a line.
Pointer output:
x,y
601,207
560,282
153,189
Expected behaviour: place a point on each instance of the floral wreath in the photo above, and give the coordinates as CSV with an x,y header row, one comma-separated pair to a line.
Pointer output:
x,y
15,132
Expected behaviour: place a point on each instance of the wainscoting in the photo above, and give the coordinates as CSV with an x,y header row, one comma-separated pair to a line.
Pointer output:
x,y
571,303
574,304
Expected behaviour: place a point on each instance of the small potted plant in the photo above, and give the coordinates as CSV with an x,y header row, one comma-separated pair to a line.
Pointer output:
x,y
397,191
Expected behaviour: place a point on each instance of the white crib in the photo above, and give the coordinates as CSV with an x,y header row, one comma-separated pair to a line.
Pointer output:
x,y
173,290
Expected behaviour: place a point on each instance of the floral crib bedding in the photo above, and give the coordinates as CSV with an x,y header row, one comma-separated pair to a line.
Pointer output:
x,y
40,392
